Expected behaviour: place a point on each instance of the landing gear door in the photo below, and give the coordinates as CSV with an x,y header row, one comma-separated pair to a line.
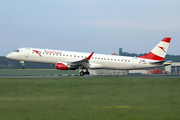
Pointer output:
x,y
27,52
134,61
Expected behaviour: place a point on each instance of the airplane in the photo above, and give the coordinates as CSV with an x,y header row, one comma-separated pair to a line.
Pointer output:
x,y
69,60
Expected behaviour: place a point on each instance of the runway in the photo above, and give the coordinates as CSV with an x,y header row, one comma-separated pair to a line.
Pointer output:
x,y
123,76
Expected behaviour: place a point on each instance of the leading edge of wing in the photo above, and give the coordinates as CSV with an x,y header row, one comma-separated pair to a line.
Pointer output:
x,y
84,62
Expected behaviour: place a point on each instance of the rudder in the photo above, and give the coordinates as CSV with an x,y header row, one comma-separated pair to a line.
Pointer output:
x,y
159,52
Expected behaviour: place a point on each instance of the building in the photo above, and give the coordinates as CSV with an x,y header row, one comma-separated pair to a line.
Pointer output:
x,y
107,72
174,68
142,71
126,72
118,72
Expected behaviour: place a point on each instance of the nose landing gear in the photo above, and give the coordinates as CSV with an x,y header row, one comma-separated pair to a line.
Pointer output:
x,y
23,64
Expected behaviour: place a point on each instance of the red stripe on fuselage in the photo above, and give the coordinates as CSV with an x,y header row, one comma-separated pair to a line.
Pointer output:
x,y
152,56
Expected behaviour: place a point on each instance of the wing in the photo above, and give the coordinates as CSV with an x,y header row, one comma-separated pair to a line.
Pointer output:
x,y
84,63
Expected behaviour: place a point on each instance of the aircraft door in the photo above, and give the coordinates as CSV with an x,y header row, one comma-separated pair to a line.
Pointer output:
x,y
27,52
134,61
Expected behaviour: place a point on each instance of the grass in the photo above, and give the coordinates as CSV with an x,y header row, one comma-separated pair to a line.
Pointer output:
x,y
82,98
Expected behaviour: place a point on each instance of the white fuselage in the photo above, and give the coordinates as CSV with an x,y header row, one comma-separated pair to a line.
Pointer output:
x,y
98,61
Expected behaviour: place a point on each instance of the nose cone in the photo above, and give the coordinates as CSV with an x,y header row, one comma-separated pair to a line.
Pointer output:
x,y
8,56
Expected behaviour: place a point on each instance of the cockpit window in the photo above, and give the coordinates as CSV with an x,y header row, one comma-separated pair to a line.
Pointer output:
x,y
16,50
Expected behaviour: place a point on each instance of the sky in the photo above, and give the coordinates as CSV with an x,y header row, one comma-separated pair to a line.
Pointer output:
x,y
100,26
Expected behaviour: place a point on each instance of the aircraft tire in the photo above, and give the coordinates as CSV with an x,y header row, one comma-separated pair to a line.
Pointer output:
x,y
81,73
87,73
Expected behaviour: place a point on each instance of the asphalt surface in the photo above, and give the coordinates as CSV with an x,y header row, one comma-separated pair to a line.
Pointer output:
x,y
124,76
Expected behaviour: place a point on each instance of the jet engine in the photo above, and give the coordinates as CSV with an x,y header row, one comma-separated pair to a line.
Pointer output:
x,y
63,66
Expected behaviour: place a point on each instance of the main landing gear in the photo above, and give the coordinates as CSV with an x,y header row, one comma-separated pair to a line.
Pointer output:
x,y
23,64
84,73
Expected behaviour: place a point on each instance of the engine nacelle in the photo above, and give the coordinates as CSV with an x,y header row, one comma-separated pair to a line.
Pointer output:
x,y
63,66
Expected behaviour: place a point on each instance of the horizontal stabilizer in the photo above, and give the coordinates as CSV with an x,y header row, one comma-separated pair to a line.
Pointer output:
x,y
165,63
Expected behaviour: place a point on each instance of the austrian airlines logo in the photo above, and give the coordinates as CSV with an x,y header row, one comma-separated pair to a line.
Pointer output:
x,y
162,48
37,52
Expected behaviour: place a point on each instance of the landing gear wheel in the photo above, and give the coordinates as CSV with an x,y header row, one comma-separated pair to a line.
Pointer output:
x,y
81,73
87,73
23,64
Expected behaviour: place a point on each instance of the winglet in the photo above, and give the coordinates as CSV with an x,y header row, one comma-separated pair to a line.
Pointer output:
x,y
89,57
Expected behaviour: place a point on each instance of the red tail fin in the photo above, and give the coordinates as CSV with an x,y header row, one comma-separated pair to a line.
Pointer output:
x,y
158,52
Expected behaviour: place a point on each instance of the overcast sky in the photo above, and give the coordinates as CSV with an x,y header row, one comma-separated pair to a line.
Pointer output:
x,y
100,26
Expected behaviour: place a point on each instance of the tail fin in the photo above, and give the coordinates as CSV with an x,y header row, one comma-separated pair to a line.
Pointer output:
x,y
159,52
